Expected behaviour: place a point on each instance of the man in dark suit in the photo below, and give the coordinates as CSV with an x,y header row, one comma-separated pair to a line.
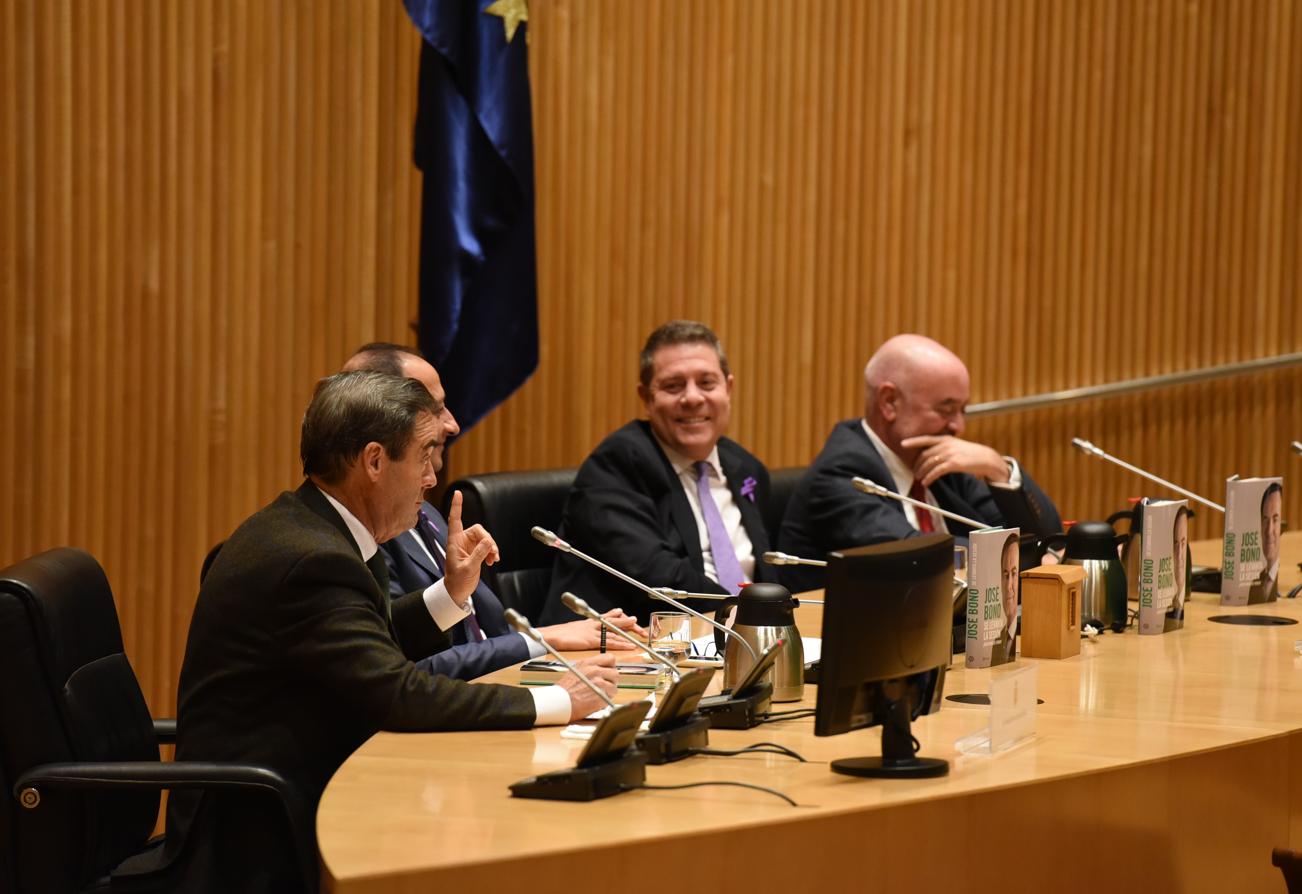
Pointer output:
x,y
296,654
482,641
1004,649
669,501
908,440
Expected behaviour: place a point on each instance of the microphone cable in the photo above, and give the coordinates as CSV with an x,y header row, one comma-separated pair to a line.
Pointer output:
x,y
759,788
793,714
756,748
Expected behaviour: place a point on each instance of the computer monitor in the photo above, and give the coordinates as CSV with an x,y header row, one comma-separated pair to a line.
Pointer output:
x,y
886,645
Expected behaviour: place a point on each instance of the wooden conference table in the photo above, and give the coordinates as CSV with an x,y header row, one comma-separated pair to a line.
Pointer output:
x,y
1171,763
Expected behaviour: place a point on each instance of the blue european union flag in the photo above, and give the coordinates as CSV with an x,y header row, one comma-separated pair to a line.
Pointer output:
x,y
474,143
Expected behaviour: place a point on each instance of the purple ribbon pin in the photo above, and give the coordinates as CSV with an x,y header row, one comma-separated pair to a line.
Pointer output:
x,y
748,489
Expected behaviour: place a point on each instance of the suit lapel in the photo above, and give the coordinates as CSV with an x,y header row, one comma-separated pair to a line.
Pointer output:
x,y
879,473
316,501
415,551
680,511
949,498
750,514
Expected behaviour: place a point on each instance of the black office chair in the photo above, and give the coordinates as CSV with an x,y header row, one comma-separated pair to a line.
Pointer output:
x,y
509,504
782,484
80,751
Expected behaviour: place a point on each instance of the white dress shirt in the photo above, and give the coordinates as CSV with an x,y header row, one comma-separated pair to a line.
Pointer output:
x,y
728,510
551,703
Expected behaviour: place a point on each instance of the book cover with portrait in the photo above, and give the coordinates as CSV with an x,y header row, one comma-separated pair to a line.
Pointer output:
x,y
992,597
1164,566
1250,550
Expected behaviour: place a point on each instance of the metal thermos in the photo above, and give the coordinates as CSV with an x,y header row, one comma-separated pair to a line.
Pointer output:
x,y
1132,551
766,614
1093,546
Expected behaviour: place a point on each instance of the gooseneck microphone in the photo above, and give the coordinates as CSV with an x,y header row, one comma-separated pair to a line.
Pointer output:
x,y
1090,450
1297,447
683,594
874,489
579,607
777,558
547,538
522,625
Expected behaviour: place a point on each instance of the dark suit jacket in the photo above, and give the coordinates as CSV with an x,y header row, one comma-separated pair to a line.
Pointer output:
x,y
628,508
290,663
826,513
1263,589
410,570
1003,649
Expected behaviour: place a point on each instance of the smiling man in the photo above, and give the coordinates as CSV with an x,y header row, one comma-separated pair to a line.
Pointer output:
x,y
667,500
909,440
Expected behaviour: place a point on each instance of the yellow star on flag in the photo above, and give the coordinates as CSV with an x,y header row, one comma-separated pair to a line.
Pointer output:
x,y
512,13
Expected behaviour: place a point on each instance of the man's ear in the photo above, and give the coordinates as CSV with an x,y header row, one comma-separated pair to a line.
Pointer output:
x,y
643,393
373,459
888,401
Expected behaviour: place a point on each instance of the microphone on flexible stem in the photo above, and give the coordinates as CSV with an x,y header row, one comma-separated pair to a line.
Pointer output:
x,y
522,625
609,764
547,538
677,731
1086,447
777,558
683,594
1296,447
738,710
580,607
874,489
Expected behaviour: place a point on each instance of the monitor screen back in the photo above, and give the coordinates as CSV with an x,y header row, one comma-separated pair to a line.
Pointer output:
x,y
886,617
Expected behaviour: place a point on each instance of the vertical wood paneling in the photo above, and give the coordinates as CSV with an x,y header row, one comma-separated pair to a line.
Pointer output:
x,y
207,205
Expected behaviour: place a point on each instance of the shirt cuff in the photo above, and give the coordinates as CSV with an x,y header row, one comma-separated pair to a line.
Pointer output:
x,y
1014,476
535,649
445,612
552,706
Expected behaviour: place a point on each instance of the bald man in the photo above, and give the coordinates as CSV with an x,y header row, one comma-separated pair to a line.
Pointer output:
x,y
909,440
475,621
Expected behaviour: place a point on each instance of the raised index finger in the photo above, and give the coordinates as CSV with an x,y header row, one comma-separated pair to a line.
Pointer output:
x,y
454,515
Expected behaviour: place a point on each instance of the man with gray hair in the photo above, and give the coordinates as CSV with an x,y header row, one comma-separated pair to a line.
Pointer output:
x,y
909,440
475,621
296,654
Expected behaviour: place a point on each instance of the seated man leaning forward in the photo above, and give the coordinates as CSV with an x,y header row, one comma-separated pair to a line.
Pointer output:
x,y
296,653
482,641
668,501
908,440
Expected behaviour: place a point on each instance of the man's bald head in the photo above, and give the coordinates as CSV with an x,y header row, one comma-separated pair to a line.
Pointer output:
x,y
398,360
914,385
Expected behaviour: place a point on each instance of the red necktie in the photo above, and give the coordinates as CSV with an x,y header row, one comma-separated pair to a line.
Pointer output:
x,y
919,493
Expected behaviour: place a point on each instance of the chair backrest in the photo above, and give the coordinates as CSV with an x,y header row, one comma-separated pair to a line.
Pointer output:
x,y
782,484
509,504
67,693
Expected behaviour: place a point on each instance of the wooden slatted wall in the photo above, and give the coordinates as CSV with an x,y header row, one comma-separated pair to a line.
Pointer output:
x,y
204,206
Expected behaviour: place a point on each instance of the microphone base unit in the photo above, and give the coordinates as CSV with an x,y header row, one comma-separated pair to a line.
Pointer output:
x,y
738,712
676,743
586,783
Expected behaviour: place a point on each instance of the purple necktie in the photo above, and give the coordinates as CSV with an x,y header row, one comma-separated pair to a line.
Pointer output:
x,y
428,533
726,566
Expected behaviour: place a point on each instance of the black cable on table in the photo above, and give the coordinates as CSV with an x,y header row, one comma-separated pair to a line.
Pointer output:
x,y
759,788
